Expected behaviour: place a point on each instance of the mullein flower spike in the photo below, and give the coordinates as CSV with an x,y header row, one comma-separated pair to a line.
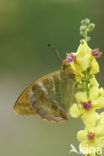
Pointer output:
x,y
89,96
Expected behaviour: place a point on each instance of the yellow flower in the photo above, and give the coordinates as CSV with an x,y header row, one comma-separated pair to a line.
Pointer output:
x,y
91,139
82,60
85,108
83,56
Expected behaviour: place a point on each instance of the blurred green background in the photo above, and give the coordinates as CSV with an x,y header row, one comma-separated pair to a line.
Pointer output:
x,y
26,27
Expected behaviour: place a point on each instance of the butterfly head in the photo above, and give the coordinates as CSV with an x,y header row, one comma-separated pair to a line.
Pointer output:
x,y
67,68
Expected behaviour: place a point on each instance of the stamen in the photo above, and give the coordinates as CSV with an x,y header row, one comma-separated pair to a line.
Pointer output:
x,y
69,58
96,53
91,135
87,105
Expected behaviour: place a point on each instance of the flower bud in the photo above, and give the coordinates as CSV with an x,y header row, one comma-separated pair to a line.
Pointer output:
x,y
88,38
82,41
82,33
80,86
83,28
85,21
91,27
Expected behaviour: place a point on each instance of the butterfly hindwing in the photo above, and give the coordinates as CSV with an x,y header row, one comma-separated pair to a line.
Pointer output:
x,y
50,97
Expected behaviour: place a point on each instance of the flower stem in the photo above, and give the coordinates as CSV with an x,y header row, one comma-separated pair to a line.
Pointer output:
x,y
87,89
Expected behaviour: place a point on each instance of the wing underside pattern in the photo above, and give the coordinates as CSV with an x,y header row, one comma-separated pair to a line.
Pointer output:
x,y
50,97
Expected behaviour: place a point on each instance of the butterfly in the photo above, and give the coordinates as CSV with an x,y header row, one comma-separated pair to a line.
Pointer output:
x,y
50,96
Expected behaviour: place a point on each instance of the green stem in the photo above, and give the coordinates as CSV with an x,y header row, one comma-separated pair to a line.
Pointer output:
x,y
87,89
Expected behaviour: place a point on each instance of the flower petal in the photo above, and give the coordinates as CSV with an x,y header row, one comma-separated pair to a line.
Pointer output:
x,y
84,56
99,131
101,119
90,118
94,91
81,97
75,111
101,92
81,135
77,70
94,67
98,103
94,82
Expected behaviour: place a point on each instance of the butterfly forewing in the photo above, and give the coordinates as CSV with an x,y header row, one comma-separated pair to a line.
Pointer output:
x,y
23,105
50,97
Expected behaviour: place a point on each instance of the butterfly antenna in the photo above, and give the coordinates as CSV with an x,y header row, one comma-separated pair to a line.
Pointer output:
x,y
56,52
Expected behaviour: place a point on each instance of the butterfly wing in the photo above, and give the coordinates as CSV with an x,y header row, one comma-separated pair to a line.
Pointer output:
x,y
50,97
23,104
